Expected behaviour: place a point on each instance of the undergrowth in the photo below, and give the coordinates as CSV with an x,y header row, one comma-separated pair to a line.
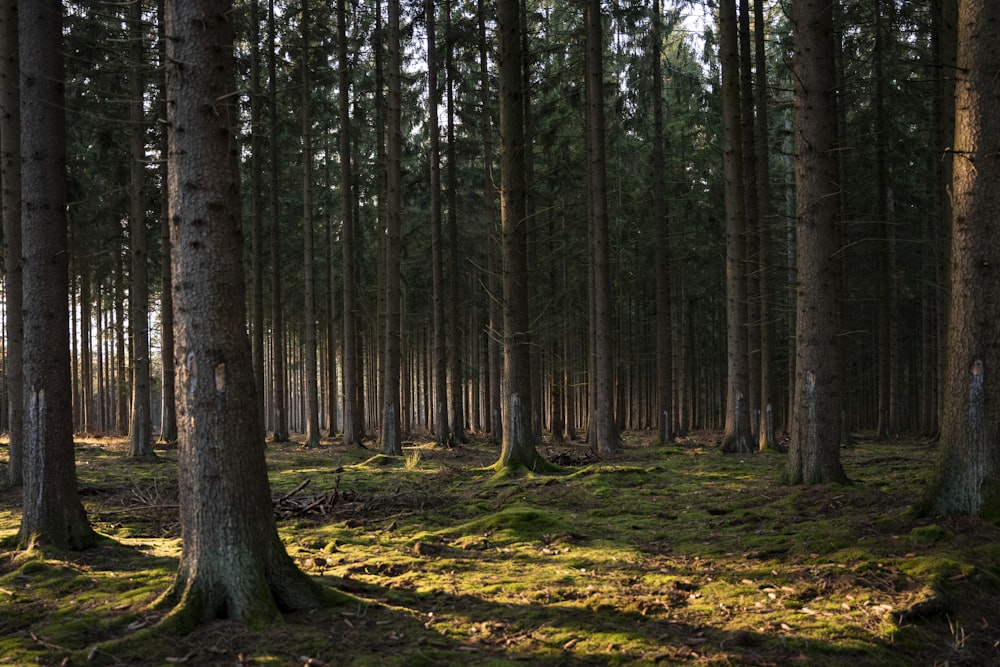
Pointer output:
x,y
662,555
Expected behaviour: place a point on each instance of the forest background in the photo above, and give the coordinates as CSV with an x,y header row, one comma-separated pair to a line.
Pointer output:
x,y
893,104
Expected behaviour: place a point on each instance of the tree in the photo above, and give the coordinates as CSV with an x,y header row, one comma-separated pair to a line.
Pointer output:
x,y
603,431
279,396
737,430
664,368
232,561
441,424
141,422
10,173
168,417
518,443
392,444
967,477
353,422
51,512
308,262
814,454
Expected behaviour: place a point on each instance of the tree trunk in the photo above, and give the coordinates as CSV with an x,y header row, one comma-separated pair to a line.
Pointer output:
x,y
737,428
765,217
353,426
518,444
141,422
10,172
814,456
967,478
233,563
257,209
51,512
392,440
441,424
308,265
664,366
279,398
494,340
603,431
456,375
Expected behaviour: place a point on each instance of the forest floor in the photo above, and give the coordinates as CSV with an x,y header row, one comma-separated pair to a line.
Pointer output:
x,y
664,555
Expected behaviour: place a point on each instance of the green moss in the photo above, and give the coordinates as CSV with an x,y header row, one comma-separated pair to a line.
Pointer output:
x,y
931,534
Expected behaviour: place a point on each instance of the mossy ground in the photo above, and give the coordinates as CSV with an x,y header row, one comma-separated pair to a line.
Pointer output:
x,y
663,555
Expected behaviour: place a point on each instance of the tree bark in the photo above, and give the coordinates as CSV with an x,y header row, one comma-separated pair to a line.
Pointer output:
x,y
814,455
967,477
312,436
168,415
737,428
392,440
664,365
603,431
353,425
10,172
442,428
232,562
141,422
51,512
278,398
518,443
456,341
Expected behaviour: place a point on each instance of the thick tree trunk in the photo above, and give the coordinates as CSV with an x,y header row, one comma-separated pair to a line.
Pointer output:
x,y
232,564
814,456
967,479
10,172
51,513
518,444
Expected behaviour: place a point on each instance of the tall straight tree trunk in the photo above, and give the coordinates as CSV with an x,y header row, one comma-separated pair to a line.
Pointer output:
x,y
51,511
233,563
309,260
353,426
441,425
141,423
603,432
392,440
518,444
278,397
765,218
495,335
814,455
945,25
737,429
752,222
664,366
967,476
455,336
10,173
257,210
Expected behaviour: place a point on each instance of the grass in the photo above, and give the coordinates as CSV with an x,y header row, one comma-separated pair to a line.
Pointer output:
x,y
663,555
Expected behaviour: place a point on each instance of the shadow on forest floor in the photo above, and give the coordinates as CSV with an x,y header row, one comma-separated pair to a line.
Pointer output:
x,y
666,554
